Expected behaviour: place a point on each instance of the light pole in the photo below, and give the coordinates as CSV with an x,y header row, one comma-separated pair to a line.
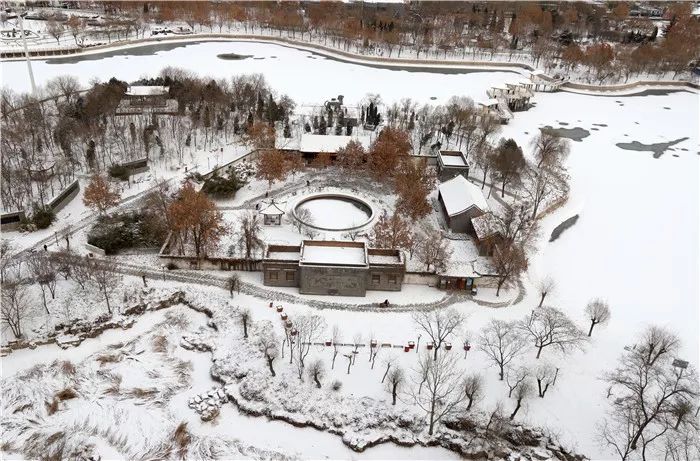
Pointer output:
x,y
26,51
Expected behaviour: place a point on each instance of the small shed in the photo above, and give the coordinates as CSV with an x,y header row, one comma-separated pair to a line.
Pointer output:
x,y
461,201
451,163
272,213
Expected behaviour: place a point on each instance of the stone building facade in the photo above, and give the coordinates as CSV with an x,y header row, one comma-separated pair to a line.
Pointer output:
x,y
333,268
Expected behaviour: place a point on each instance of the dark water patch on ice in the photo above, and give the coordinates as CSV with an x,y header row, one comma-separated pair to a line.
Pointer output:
x,y
667,108
526,132
595,129
562,227
600,124
233,56
675,155
657,148
684,149
433,98
564,123
575,134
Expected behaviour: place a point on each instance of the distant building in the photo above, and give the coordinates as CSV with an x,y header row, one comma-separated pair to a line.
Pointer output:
x,y
341,268
461,201
451,163
140,99
312,145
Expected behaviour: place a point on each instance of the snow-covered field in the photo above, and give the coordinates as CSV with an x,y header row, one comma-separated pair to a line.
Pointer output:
x,y
635,243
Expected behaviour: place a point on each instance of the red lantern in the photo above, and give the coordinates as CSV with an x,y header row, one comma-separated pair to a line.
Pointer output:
x,y
294,332
328,343
373,343
467,347
430,346
288,324
284,316
280,308
411,344
406,348
448,346
270,304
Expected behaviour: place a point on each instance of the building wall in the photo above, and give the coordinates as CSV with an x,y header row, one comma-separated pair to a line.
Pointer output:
x,y
276,274
385,275
341,281
445,173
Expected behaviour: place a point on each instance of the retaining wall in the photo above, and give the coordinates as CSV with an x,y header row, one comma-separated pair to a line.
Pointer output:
x,y
64,197
96,250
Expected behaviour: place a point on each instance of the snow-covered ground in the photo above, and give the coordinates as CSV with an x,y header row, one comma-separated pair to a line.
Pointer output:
x,y
635,243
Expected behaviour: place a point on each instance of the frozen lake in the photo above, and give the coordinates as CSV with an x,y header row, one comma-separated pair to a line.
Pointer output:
x,y
635,174
306,77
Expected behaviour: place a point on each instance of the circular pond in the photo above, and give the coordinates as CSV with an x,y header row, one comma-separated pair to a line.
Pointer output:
x,y
333,212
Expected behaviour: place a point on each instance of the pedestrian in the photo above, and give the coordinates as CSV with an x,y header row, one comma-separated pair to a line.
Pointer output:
x,y
46,248
143,276
267,194
308,183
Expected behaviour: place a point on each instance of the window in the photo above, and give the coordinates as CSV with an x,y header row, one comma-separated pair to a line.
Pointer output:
x,y
375,278
392,279
272,275
290,275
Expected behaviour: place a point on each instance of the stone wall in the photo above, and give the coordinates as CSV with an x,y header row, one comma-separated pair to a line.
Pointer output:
x,y
341,281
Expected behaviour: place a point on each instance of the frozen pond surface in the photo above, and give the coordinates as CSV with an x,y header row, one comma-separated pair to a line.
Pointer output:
x,y
335,212
306,77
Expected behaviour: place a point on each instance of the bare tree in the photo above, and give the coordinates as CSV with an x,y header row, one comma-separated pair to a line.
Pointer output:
x,y
233,283
545,286
303,215
316,372
545,374
549,326
43,272
245,315
309,329
502,341
523,391
473,388
551,150
435,252
389,361
336,339
397,378
439,325
15,307
250,229
103,273
267,343
646,390
443,394
509,261
598,311
515,376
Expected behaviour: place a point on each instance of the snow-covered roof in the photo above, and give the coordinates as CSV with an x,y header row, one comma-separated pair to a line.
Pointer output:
x,y
333,253
143,90
273,208
459,195
452,158
489,102
484,226
328,143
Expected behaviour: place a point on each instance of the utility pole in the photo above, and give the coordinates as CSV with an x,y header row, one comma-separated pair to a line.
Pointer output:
x,y
26,52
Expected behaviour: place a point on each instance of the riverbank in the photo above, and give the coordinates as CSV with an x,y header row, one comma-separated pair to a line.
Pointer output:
x,y
441,65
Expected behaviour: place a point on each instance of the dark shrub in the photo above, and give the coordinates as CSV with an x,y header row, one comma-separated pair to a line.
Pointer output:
x,y
171,266
114,233
217,186
43,217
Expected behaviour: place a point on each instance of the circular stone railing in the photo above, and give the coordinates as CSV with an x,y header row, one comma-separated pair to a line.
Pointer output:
x,y
339,196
